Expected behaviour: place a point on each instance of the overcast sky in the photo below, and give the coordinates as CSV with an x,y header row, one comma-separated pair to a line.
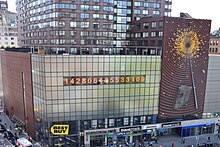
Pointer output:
x,y
204,9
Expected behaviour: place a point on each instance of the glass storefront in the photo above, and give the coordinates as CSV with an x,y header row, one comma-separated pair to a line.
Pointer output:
x,y
95,91
199,129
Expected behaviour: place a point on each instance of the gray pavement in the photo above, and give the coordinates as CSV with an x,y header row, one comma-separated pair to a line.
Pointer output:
x,y
166,141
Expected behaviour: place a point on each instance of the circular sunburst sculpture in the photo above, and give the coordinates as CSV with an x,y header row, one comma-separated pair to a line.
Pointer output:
x,y
187,44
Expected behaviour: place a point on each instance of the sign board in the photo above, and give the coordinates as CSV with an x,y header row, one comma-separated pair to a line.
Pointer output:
x,y
170,125
130,129
60,129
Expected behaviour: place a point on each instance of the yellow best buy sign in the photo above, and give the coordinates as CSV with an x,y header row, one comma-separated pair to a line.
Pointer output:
x,y
60,129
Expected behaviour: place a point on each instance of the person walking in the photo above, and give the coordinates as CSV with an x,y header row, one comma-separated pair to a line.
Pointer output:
x,y
172,144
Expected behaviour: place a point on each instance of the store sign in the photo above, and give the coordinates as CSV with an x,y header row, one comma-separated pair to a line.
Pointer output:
x,y
130,129
104,131
60,129
174,124
150,127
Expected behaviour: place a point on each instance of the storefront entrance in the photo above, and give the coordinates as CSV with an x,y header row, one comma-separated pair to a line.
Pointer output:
x,y
97,141
198,129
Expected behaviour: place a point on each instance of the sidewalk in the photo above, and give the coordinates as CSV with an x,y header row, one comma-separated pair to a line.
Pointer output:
x,y
166,141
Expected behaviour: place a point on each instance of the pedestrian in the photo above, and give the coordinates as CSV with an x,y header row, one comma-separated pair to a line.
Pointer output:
x,y
156,140
209,139
172,144
183,140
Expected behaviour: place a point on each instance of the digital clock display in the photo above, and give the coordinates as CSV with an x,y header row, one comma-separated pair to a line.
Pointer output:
x,y
103,80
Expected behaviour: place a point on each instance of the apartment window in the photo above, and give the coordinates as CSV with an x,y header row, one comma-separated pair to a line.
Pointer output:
x,y
145,12
160,25
12,43
137,11
95,16
96,25
73,24
138,4
145,34
95,50
96,8
84,7
146,4
160,34
216,50
156,12
73,51
73,33
137,35
84,15
84,24
153,24
153,34
145,25
12,38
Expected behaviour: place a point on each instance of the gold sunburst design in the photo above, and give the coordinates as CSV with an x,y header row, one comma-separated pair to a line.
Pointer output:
x,y
186,44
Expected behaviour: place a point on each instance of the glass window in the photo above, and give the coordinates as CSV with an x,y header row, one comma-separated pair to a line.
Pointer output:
x,y
95,16
137,4
84,15
153,34
145,12
153,24
111,122
145,34
156,12
145,25
137,11
73,24
96,8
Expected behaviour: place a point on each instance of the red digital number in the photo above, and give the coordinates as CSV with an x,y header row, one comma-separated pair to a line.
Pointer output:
x,y
72,82
142,79
127,79
138,79
78,81
112,80
83,80
116,79
106,80
95,80
89,80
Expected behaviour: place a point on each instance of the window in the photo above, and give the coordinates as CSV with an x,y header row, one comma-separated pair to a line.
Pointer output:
x,y
84,7
153,34
137,35
84,15
126,121
145,12
95,25
153,24
95,16
145,25
111,122
160,34
84,24
138,4
137,11
96,8
145,34
73,24
156,12
12,38
143,119
73,33
94,124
